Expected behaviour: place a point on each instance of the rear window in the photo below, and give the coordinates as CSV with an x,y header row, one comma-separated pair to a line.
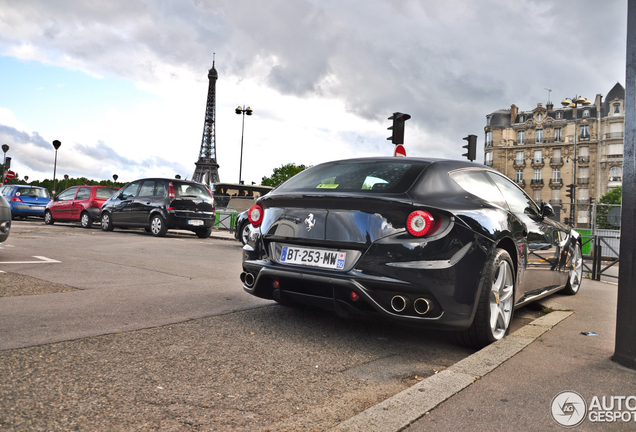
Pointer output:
x,y
33,192
105,193
190,190
357,176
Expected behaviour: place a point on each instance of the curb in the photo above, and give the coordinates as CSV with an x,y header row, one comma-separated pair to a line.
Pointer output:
x,y
401,410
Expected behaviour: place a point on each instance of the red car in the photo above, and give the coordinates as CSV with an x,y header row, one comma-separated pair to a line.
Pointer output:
x,y
78,203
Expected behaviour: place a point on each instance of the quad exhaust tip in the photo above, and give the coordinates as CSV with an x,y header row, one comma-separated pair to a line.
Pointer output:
x,y
422,306
247,278
399,303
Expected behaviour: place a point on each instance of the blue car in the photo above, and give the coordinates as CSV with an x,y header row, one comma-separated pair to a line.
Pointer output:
x,y
26,200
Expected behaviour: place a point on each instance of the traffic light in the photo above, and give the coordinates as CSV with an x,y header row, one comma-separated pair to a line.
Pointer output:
x,y
7,164
397,137
471,154
570,192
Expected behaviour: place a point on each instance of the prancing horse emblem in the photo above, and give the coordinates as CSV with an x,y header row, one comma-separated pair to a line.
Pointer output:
x,y
310,221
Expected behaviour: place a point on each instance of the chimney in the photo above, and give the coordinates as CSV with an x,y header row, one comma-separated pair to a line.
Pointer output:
x,y
514,110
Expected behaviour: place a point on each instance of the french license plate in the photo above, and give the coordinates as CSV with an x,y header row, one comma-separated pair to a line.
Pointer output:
x,y
37,208
313,257
195,222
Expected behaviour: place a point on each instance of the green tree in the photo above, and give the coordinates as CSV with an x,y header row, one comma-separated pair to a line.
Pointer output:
x,y
613,196
283,173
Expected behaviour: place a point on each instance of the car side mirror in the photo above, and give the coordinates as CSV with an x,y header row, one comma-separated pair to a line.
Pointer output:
x,y
546,209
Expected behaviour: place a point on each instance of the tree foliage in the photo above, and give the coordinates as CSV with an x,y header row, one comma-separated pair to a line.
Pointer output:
x,y
64,183
282,174
613,196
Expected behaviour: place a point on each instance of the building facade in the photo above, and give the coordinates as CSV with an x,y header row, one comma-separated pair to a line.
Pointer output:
x,y
550,147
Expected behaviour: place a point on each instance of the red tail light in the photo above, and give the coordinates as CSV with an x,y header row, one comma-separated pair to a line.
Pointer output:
x,y
16,199
94,204
421,223
255,215
171,190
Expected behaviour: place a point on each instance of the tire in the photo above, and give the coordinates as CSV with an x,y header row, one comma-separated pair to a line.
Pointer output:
x,y
48,218
203,232
496,303
107,222
576,272
158,226
86,220
244,232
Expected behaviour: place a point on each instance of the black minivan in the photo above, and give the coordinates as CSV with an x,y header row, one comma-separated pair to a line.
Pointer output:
x,y
159,204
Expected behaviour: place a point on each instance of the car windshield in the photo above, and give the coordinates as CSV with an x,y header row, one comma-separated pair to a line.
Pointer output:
x,y
357,176
105,193
190,190
33,192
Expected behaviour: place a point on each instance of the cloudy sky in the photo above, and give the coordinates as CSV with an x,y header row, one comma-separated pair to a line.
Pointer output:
x,y
123,83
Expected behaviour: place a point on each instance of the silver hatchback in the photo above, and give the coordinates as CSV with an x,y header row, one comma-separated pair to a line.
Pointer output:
x,y
5,219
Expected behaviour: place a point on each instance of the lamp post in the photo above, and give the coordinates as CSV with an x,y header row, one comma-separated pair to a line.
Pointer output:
x,y
57,145
574,103
115,177
5,149
243,111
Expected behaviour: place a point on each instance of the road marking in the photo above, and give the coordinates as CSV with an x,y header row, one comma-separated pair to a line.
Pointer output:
x,y
43,260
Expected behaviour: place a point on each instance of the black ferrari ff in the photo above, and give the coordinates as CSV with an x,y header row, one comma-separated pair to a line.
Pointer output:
x,y
438,243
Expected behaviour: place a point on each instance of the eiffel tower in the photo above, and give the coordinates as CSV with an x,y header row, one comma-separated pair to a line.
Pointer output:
x,y
207,169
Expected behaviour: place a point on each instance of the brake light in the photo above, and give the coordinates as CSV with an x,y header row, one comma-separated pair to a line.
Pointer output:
x,y
420,223
16,199
255,215
94,204
171,190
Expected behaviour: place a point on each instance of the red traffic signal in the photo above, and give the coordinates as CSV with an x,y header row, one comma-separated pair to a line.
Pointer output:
x,y
398,127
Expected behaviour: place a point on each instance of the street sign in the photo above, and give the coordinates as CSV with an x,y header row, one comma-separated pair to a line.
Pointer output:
x,y
400,151
10,174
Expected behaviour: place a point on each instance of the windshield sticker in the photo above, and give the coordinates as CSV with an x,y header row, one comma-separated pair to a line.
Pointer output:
x,y
327,186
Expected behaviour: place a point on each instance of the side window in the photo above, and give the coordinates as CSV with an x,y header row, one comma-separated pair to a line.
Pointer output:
x,y
84,193
160,190
130,190
147,189
518,200
477,183
67,195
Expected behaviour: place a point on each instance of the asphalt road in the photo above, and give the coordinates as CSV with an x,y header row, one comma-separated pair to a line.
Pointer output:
x,y
124,331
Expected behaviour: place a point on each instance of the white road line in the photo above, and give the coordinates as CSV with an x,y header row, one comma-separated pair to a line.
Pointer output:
x,y
43,260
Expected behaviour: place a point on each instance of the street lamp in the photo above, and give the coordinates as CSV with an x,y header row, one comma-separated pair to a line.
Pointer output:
x,y
5,149
574,103
57,145
243,111
115,177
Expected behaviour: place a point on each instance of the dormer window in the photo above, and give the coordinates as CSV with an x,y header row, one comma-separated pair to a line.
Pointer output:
x,y
487,120
539,117
617,108
586,113
521,118
559,114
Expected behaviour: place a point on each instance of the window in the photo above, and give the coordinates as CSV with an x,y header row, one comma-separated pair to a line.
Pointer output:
x,y
488,120
556,195
536,195
477,183
84,193
539,135
130,190
521,137
488,159
539,117
584,132
584,152
556,155
519,158
556,174
559,114
147,189
537,174
67,195
557,135
522,118
583,194
615,173
488,139
586,113
584,173
617,108
518,200
538,156
519,176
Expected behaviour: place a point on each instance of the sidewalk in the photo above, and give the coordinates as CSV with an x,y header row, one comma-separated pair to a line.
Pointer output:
x,y
511,385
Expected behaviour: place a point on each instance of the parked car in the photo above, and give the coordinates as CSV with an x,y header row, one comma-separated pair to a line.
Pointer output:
x,y
159,204
242,227
78,203
428,242
26,200
5,219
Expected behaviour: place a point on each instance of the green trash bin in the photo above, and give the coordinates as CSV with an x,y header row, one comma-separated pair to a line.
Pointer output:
x,y
586,235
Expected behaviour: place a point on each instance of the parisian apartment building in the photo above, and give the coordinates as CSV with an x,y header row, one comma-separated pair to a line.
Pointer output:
x,y
577,141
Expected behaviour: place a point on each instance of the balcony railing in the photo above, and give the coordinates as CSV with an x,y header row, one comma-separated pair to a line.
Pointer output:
x,y
521,182
555,201
584,159
556,161
556,182
536,181
488,163
583,181
519,163
537,162
615,179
